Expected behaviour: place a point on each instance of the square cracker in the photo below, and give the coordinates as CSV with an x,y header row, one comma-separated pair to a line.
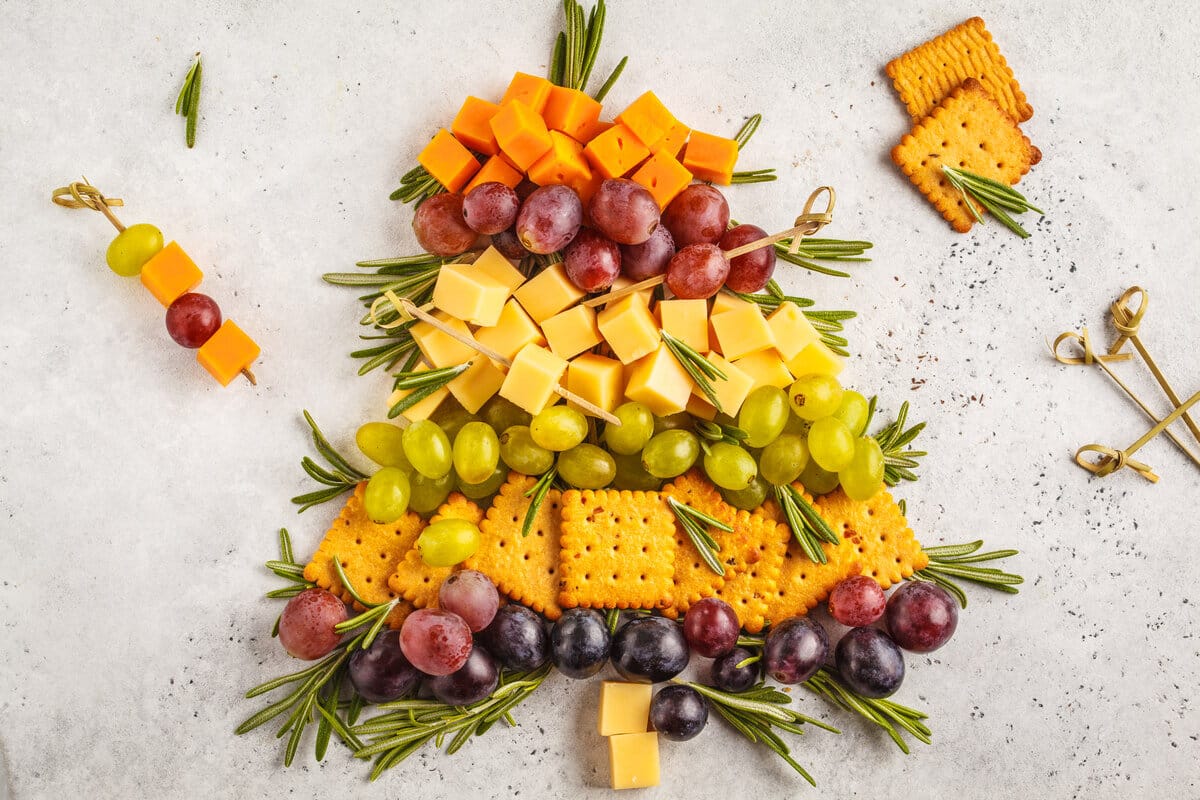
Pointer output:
x,y
884,544
802,583
693,578
970,131
759,547
618,550
416,581
924,76
525,568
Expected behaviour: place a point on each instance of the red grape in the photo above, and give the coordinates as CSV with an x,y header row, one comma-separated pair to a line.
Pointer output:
x,y
509,245
381,673
440,227
869,662
650,650
795,649
472,596
473,681
650,258
192,319
697,215
435,641
727,676
711,627
592,261
579,643
549,219
697,271
306,625
490,208
678,712
748,272
624,211
857,601
921,616
517,638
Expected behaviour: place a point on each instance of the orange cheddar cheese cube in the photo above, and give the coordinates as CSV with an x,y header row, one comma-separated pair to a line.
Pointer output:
x,y
547,293
514,330
710,158
700,408
495,170
587,187
792,330
563,163
533,379
472,126
663,177
568,333
726,301
468,293
633,760
439,348
227,352
521,133
572,112
493,262
686,320
648,118
532,90
629,328
623,281
675,139
741,332
598,127
476,386
659,382
597,379
615,152
731,390
448,161
816,358
423,409
169,273
766,368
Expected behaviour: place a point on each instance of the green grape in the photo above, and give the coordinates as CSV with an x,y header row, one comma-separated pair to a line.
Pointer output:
x,y
487,487
132,248
451,416
476,452
853,411
763,414
830,443
386,497
522,454
501,413
670,453
383,443
448,542
428,494
673,422
631,475
782,461
428,448
558,428
815,396
750,498
729,466
636,428
816,480
586,466
863,476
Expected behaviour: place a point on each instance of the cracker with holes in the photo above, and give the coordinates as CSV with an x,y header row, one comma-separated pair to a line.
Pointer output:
x,y
968,130
802,583
926,75
524,568
416,581
757,547
693,578
618,550
885,545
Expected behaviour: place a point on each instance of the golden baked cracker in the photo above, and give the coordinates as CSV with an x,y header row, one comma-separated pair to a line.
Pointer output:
x,y
416,581
970,131
883,542
693,578
618,550
525,568
803,583
758,547
924,76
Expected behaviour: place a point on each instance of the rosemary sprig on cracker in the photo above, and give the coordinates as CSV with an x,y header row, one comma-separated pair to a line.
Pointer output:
x,y
807,526
693,523
998,198
537,494
956,561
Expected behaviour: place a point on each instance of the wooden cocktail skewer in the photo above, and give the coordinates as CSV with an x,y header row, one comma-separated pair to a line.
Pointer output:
x,y
1112,460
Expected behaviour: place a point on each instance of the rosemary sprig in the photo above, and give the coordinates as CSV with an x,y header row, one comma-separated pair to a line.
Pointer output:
x,y
751,175
814,249
885,713
576,47
187,104
611,81
339,476
955,561
998,198
720,432
898,463
421,384
693,523
701,370
417,185
536,494
754,712
287,568
809,528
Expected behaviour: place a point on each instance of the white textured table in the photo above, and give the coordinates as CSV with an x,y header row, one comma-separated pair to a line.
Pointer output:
x,y
138,500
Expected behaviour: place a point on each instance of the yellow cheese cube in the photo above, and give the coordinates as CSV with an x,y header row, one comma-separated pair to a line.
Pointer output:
x,y
624,707
598,380
686,320
440,349
533,378
633,760
469,294
512,331
724,301
732,390
622,281
423,409
570,332
816,358
659,382
476,386
700,408
497,266
792,330
766,368
741,332
548,292
629,328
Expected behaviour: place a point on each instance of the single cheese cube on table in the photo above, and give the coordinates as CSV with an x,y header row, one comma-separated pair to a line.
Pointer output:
x,y
686,320
514,330
170,273
227,352
493,262
663,177
633,760
495,170
472,126
816,359
548,292
563,163
476,386
700,408
623,281
533,378
423,409
570,332
629,328
597,379
532,90
468,293
766,368
521,133
675,139
648,118
792,330
741,332
624,707
615,152
711,158
572,112
448,161
439,348
730,391
659,382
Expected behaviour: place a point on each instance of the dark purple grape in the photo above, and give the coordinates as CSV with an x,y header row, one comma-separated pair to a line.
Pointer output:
x,y
678,712
306,624
921,616
727,675
624,211
517,638
697,215
579,643
509,245
440,227
697,271
711,627
192,319
592,261
435,641
748,272
650,258
857,601
549,219
650,650
476,679
490,208
472,596
381,673
869,662
795,649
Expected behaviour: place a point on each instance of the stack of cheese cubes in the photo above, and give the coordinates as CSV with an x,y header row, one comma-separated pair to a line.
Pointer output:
x,y
632,750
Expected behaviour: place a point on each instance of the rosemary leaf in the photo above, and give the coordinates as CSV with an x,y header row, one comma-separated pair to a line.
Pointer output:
x,y
187,104
689,519
998,198
700,369
340,476
948,562
808,537
898,462
885,713
605,87
537,493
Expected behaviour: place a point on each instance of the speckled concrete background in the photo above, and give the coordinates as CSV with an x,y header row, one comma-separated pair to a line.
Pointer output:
x,y
137,500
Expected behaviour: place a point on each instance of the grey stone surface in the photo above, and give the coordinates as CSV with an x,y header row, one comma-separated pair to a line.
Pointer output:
x,y
138,500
